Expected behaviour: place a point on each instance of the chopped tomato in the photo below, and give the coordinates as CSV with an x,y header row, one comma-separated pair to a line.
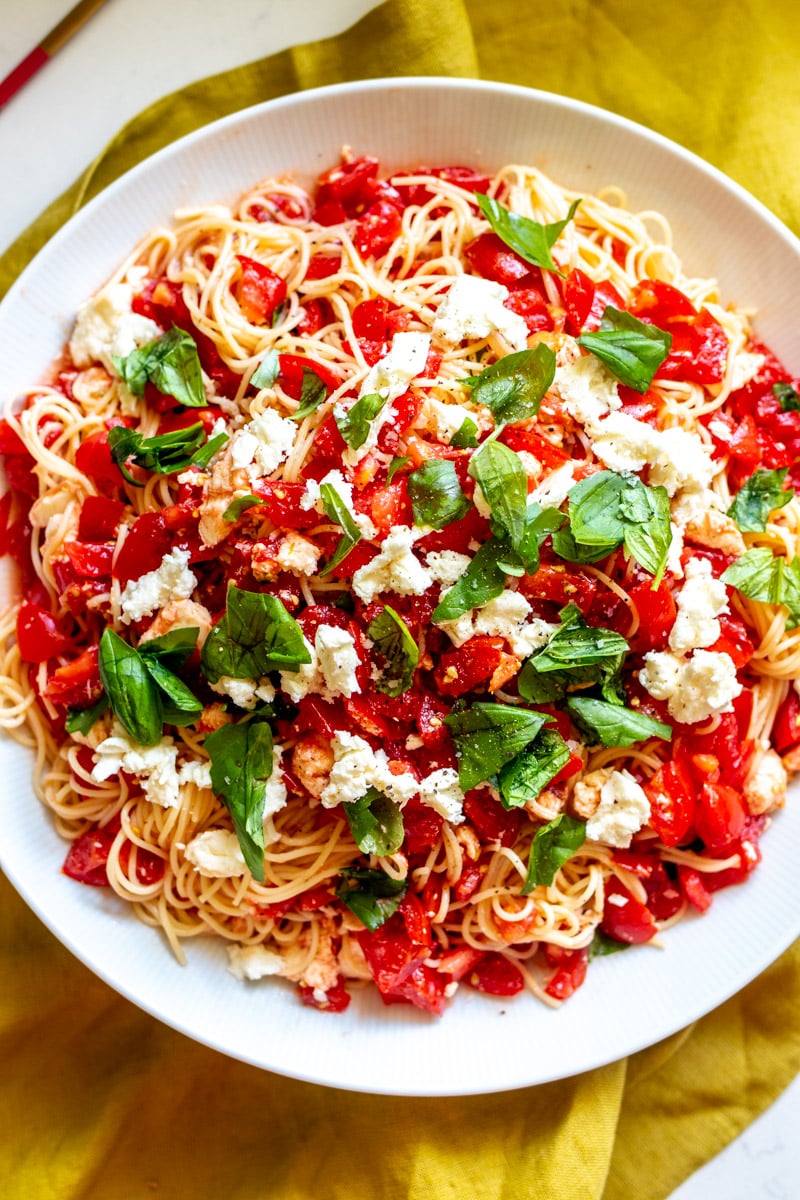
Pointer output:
x,y
76,684
348,185
699,349
657,612
560,584
99,519
87,857
720,815
571,971
39,635
495,975
335,999
292,368
396,953
377,229
470,666
786,730
282,503
734,640
625,919
93,458
90,560
261,290
491,258
531,304
143,549
322,266
422,827
692,885
672,803
490,820
585,302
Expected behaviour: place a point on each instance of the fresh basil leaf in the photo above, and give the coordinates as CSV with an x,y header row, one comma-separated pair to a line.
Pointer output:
x,y
566,547
241,763
529,773
392,639
312,393
601,944
630,348
648,535
371,895
376,823
466,435
759,496
202,457
171,648
81,720
163,454
502,479
436,496
483,579
240,505
489,735
607,509
613,725
772,579
396,465
267,370
179,704
132,692
171,363
337,511
354,425
576,644
513,387
554,844
255,636
786,396
530,239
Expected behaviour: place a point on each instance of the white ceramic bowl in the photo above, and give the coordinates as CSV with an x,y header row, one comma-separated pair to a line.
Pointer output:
x,y
481,1044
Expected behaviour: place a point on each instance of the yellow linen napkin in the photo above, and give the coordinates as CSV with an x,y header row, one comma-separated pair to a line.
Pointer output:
x,y
100,1102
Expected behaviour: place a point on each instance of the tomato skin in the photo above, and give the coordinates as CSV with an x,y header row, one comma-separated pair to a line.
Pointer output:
x,y
87,857
93,458
336,999
625,919
491,258
430,721
38,634
570,974
468,667
585,302
76,684
657,611
495,975
291,368
348,184
749,854
560,584
322,266
377,229
786,730
720,816
396,953
530,304
91,560
693,887
99,519
672,803
734,640
261,290
143,549
699,349
490,820
422,827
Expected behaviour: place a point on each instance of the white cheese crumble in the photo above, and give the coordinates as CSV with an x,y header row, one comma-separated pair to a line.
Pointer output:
x,y
555,487
505,616
395,568
587,389
444,420
440,790
446,566
623,810
332,670
107,328
746,366
695,688
216,853
298,555
391,375
172,580
154,766
700,602
263,444
473,308
311,498
244,692
676,457
357,767
275,795
249,963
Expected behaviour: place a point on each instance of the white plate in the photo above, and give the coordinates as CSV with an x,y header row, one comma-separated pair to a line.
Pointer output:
x,y
481,1044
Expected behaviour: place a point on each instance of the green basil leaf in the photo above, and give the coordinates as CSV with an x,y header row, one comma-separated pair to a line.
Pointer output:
x,y
601,944
613,725
255,636
171,648
163,455
566,547
761,575
179,704
466,435
528,774
513,387
132,692
312,393
267,370
81,720
554,844
202,457
392,639
376,823
171,364
504,484
396,465
786,396
240,505
371,895
241,763
530,239
354,425
607,509
576,644
435,492
487,736
483,579
759,496
337,511
630,348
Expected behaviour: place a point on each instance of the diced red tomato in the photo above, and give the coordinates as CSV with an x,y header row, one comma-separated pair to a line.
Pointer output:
x,y
150,867
144,548
626,919
377,229
786,730
491,258
348,184
91,560
430,721
720,815
527,437
560,584
335,999
657,612
322,266
39,636
422,827
749,854
672,803
87,857
734,640
468,882
93,458
570,973
470,666
261,290
395,954
531,304
99,519
693,887
76,684
490,820
495,975
699,349
585,302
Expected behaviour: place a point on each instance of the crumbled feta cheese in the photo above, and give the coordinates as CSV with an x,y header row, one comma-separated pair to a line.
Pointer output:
x,y
446,566
473,308
698,512
700,602
357,768
530,465
674,565
505,616
391,375
622,811
332,670
344,490
275,795
440,790
253,962
244,692
172,580
196,771
154,766
263,444
481,503
106,328
587,388
745,368
444,420
555,487
680,459
765,790
298,555
695,688
394,569
622,443
216,853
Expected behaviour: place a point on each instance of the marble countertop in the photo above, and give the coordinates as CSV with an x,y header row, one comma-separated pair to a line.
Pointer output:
x,y
60,122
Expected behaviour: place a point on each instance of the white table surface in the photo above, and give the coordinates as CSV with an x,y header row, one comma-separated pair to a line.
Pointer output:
x,y
63,118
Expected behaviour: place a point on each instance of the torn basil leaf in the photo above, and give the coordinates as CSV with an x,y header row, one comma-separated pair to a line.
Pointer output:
x,y
631,349
489,735
240,505
577,655
163,454
171,363
554,844
372,895
396,465
786,396
267,370
530,239
761,575
392,639
513,387
483,579
436,496
614,725
466,435
242,761
759,496
607,509
376,823
529,773
81,720
255,636
354,424
142,692
337,511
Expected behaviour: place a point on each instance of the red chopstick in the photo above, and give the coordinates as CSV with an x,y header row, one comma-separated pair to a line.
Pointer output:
x,y
47,48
